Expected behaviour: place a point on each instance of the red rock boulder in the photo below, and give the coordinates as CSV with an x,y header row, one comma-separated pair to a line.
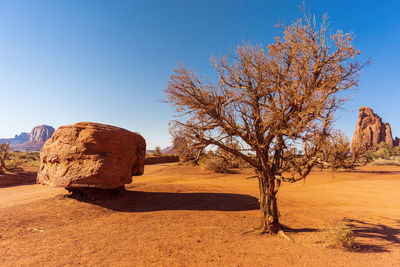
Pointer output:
x,y
91,155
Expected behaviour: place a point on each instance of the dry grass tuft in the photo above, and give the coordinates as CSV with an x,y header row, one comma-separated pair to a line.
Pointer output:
x,y
339,236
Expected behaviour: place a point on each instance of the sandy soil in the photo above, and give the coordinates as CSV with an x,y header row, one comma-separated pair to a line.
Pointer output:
x,y
181,216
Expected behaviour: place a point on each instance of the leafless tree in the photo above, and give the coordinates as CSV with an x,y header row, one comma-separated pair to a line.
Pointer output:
x,y
4,150
279,102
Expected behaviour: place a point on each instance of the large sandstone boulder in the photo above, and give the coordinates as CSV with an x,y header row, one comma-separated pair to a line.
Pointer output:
x,y
91,155
370,131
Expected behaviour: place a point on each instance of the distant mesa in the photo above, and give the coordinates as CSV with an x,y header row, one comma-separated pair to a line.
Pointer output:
x,y
370,131
41,133
30,142
18,139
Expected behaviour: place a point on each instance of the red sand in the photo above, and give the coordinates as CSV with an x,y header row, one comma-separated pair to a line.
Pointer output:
x,y
181,216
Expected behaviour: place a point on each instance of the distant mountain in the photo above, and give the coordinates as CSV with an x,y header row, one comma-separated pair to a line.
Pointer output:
x,y
18,139
30,142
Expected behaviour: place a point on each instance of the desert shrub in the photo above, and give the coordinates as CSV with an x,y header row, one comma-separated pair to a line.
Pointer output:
x,y
385,154
14,164
4,155
35,163
395,158
393,161
16,160
339,236
386,151
157,151
214,164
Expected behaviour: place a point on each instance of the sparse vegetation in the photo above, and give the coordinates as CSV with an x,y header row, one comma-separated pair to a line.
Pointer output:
x,y
339,236
386,154
17,160
214,164
385,151
393,161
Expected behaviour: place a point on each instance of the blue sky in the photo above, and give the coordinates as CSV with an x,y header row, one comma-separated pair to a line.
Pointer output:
x,y
63,62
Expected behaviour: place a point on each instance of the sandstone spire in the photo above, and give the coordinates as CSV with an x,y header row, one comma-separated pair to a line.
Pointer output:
x,y
370,131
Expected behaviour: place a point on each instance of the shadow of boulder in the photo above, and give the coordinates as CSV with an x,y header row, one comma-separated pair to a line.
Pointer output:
x,y
140,201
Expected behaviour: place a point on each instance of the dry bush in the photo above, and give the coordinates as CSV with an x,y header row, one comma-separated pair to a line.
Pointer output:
x,y
339,236
386,154
14,164
16,160
4,154
214,164
392,161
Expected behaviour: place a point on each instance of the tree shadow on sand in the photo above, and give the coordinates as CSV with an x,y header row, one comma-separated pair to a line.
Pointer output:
x,y
140,201
383,234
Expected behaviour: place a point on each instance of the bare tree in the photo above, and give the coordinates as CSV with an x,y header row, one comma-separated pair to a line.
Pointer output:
x,y
4,150
279,102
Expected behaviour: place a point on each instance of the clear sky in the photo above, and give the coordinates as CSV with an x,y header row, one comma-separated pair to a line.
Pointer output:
x,y
63,62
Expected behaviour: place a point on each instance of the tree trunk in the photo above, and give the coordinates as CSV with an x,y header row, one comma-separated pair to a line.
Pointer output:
x,y
268,205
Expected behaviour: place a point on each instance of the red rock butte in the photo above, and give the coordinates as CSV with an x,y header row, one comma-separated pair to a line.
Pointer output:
x,y
370,131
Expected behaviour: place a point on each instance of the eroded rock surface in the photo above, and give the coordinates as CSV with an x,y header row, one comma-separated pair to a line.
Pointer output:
x,y
91,155
370,131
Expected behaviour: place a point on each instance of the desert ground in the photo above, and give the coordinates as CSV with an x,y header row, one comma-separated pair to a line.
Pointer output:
x,y
183,216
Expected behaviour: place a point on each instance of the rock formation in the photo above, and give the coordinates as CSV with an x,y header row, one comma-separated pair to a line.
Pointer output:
x,y
18,139
176,146
37,138
370,131
91,155
41,134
